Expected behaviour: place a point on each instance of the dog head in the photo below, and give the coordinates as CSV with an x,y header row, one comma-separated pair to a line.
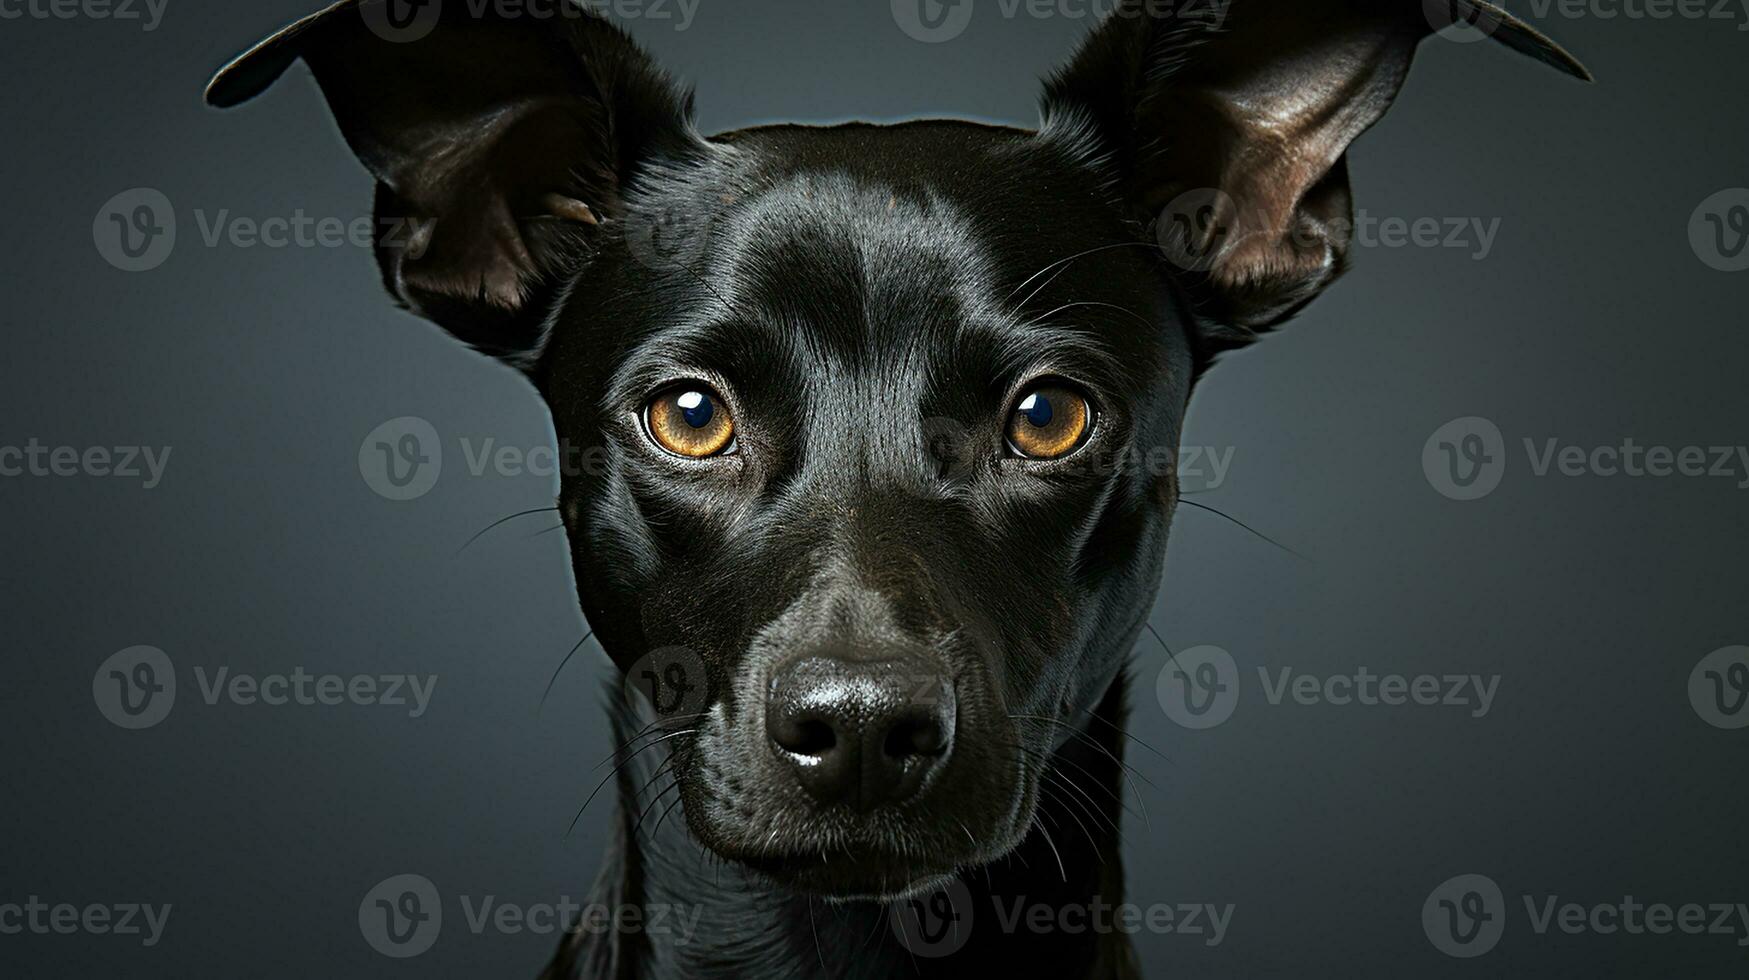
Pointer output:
x,y
881,417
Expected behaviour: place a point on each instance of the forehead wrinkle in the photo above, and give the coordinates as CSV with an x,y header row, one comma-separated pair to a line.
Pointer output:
x,y
1020,347
861,270
738,347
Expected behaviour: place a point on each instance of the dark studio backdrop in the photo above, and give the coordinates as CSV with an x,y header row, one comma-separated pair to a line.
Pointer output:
x,y
1542,266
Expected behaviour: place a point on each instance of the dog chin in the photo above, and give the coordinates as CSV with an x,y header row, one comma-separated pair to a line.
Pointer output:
x,y
847,878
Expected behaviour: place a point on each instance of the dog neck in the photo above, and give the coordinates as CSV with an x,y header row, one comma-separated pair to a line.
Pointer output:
x,y
698,916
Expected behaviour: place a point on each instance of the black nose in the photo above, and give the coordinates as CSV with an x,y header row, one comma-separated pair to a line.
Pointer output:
x,y
860,733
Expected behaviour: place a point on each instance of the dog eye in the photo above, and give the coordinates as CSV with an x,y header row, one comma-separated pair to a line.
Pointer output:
x,y
1049,421
689,420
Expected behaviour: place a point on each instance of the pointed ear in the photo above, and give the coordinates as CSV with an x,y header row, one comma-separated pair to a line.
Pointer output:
x,y
499,143
1224,127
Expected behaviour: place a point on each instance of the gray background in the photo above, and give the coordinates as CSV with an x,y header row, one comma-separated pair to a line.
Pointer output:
x,y
1592,319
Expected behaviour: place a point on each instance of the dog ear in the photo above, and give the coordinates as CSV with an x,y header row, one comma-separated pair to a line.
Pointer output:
x,y
498,143
1225,126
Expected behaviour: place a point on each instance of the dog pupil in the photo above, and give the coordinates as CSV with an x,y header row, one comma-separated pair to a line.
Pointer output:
x,y
695,408
1037,409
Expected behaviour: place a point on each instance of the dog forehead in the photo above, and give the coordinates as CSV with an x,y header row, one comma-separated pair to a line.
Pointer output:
x,y
852,257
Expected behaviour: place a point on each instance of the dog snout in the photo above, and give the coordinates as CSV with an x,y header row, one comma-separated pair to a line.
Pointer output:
x,y
860,733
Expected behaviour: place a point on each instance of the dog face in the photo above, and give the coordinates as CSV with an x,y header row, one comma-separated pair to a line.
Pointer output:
x,y
902,537
875,413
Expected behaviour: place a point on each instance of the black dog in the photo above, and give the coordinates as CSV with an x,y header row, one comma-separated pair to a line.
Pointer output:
x,y
868,402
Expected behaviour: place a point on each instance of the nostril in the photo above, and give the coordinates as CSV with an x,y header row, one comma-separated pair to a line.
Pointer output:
x,y
916,736
810,737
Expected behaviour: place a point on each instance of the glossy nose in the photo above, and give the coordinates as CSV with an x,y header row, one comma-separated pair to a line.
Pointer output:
x,y
860,733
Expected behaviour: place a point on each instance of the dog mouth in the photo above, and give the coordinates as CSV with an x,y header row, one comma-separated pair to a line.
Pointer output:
x,y
848,876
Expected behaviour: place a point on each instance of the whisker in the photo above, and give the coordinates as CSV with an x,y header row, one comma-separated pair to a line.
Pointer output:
x,y
1266,538
1091,809
1126,771
1078,255
1092,844
505,520
1051,762
1109,306
1047,835
649,729
669,809
555,678
674,785
1089,712
812,925
615,771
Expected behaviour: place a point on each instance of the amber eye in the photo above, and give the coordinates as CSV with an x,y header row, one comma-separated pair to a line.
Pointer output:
x,y
689,419
1050,420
